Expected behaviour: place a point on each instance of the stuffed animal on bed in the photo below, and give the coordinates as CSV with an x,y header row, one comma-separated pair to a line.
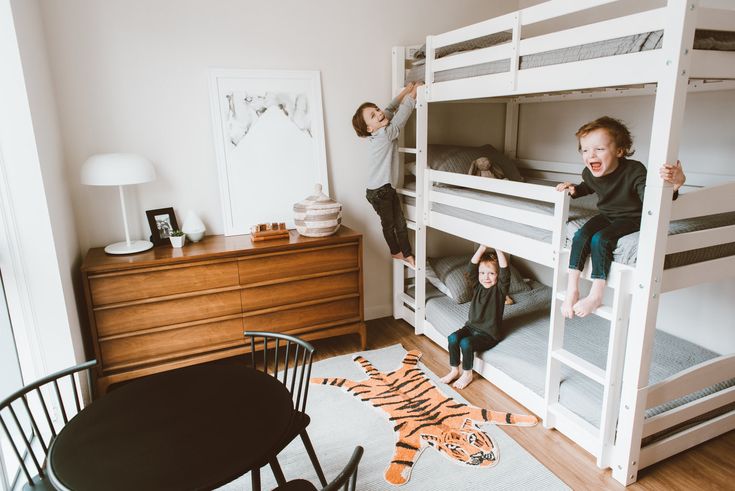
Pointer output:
x,y
484,168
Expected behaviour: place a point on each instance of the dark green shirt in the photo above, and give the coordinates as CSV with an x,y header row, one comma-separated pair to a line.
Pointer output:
x,y
620,193
488,304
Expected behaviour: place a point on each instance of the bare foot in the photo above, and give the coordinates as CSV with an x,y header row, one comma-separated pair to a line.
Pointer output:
x,y
451,376
508,300
464,380
587,305
567,307
397,256
410,260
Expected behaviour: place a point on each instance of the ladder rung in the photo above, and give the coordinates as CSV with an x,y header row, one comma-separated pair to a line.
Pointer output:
x,y
408,300
582,366
406,192
604,311
406,264
411,224
407,150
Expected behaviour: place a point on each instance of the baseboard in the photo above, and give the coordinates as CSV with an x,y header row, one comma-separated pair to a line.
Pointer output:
x,y
378,311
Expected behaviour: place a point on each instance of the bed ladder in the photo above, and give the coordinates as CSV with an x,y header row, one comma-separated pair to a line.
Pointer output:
x,y
597,441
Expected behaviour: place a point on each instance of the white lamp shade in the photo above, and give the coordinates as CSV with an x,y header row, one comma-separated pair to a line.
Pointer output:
x,y
117,169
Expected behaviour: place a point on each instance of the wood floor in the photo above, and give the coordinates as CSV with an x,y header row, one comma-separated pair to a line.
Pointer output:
x,y
709,466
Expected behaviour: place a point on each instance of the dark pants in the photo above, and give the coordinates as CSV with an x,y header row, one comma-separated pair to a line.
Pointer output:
x,y
388,207
600,236
467,341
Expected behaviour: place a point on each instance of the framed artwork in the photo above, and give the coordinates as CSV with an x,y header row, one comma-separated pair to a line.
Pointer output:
x,y
269,142
162,222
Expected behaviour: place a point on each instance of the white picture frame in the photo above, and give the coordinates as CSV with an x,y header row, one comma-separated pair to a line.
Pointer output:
x,y
268,130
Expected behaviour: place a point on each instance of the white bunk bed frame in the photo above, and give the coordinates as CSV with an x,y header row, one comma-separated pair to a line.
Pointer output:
x,y
668,72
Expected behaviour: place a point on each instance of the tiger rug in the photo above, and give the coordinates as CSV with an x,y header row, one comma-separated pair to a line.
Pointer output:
x,y
425,417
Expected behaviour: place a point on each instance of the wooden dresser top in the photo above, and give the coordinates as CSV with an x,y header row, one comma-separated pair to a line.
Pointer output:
x,y
211,246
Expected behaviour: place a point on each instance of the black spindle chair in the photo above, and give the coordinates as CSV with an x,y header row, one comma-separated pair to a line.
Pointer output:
x,y
28,409
345,480
287,358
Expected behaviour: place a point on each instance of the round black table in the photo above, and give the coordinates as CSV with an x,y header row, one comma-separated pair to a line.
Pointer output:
x,y
197,427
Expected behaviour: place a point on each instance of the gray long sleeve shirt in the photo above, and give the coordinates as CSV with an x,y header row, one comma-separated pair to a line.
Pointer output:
x,y
383,145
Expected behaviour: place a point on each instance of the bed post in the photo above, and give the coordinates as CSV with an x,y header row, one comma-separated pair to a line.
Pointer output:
x,y
398,58
665,135
510,147
422,192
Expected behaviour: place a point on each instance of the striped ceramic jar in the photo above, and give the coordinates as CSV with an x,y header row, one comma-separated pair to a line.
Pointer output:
x,y
317,215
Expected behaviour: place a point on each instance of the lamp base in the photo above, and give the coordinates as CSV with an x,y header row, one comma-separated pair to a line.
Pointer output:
x,y
123,248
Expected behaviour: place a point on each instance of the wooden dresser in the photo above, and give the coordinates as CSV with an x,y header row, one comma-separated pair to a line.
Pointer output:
x,y
167,308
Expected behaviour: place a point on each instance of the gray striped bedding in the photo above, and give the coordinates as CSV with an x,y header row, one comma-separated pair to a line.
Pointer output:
x,y
522,354
579,212
717,40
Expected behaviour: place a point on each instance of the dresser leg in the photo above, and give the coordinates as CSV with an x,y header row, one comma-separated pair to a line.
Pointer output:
x,y
363,337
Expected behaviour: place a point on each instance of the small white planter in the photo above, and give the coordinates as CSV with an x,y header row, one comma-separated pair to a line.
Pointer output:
x,y
178,242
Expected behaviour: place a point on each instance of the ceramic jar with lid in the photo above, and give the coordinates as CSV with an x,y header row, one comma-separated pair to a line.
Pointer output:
x,y
317,215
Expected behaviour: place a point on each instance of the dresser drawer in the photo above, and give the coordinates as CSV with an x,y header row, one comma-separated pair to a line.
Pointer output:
x,y
133,318
266,296
135,286
289,319
157,346
307,261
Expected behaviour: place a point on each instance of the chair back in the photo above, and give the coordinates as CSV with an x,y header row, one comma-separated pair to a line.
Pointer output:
x,y
348,477
29,409
287,358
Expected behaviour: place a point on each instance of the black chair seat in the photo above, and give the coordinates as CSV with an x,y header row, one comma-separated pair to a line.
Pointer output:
x,y
346,480
297,485
39,484
34,404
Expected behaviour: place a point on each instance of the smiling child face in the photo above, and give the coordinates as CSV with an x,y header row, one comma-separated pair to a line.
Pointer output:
x,y
488,274
374,118
599,152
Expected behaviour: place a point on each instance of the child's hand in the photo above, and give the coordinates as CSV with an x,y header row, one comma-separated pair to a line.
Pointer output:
x,y
567,186
674,174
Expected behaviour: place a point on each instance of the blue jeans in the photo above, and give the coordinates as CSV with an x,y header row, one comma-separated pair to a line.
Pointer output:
x,y
388,207
600,236
467,341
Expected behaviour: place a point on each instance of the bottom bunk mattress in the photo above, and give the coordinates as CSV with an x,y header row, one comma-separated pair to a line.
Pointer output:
x,y
580,211
522,353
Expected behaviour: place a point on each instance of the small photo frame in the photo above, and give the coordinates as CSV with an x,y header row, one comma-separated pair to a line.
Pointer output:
x,y
162,222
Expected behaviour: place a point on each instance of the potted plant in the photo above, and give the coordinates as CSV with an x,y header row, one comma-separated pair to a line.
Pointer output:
x,y
177,238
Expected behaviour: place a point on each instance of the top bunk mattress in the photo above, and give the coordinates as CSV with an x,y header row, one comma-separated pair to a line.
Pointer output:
x,y
522,354
581,210
703,39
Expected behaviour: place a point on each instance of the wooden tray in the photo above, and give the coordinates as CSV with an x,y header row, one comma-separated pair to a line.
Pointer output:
x,y
268,231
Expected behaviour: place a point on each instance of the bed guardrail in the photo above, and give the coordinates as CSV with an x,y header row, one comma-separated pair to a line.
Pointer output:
x,y
695,412
701,202
551,219
640,67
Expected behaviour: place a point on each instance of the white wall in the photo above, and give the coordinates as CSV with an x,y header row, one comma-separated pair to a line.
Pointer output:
x,y
131,76
702,314
39,245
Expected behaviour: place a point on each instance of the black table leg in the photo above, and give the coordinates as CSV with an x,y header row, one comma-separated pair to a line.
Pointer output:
x,y
255,479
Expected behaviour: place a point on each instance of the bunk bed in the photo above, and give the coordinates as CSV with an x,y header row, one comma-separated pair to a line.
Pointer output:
x,y
619,400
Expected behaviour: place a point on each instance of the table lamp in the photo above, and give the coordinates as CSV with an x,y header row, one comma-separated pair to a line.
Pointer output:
x,y
119,169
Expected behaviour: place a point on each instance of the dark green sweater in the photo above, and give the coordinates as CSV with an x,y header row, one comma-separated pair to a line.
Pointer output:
x,y
620,193
488,304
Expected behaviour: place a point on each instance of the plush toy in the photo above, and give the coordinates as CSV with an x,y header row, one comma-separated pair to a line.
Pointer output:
x,y
484,168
